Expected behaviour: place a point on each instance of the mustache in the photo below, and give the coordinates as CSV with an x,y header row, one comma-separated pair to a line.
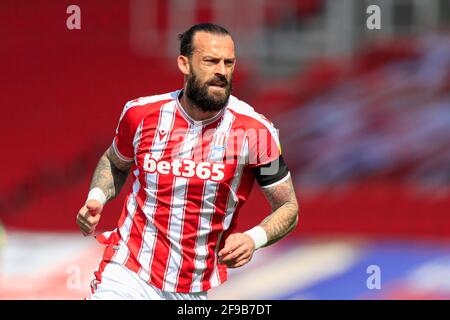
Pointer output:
x,y
218,79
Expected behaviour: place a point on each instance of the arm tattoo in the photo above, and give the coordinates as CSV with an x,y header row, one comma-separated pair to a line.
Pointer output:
x,y
285,211
110,174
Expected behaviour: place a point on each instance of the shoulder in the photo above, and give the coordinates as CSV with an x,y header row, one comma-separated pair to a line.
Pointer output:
x,y
134,110
250,118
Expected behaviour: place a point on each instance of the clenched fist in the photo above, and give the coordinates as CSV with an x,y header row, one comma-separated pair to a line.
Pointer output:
x,y
238,250
89,216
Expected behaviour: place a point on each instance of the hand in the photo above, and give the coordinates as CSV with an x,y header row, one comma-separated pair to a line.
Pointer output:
x,y
238,250
89,216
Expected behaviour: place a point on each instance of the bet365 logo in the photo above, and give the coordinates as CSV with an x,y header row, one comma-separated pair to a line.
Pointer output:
x,y
186,168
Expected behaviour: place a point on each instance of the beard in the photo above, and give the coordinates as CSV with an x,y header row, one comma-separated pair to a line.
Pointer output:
x,y
199,95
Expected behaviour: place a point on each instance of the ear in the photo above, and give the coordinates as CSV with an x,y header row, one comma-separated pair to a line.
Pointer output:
x,y
183,65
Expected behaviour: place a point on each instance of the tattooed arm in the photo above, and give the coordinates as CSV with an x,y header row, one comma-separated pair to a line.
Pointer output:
x,y
109,176
239,247
284,215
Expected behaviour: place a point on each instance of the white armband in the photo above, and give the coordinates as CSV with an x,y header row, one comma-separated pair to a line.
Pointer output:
x,y
258,235
97,194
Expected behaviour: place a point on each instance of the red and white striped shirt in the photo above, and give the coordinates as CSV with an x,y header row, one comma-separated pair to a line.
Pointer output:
x,y
190,180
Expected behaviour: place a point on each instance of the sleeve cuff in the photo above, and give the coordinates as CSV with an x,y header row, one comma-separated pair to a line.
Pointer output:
x,y
118,154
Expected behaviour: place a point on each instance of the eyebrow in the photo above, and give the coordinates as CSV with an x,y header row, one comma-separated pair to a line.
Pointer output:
x,y
217,58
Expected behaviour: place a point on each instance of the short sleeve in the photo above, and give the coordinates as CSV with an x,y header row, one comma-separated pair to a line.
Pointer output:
x,y
263,143
125,132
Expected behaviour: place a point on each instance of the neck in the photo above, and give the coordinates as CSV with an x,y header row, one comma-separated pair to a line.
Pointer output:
x,y
194,111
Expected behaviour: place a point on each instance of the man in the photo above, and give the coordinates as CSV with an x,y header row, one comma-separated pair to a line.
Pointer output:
x,y
194,154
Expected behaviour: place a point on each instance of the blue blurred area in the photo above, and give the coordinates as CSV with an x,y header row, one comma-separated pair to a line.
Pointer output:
x,y
396,262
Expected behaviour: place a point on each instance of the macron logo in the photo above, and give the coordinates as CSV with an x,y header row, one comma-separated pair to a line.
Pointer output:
x,y
161,135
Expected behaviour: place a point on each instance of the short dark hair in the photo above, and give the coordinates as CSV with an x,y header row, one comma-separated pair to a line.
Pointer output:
x,y
186,47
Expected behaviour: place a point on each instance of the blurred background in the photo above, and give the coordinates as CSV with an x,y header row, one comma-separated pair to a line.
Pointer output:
x,y
364,120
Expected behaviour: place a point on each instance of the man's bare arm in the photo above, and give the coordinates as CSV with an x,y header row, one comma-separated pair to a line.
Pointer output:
x,y
110,174
284,216
239,247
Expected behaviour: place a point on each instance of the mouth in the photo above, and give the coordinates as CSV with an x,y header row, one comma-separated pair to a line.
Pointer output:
x,y
218,88
218,84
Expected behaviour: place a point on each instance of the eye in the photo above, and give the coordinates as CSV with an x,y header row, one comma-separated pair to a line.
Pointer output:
x,y
211,60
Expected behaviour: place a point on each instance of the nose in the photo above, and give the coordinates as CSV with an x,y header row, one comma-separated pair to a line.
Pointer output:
x,y
220,68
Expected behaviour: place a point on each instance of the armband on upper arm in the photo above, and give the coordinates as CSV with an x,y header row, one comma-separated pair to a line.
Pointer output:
x,y
271,173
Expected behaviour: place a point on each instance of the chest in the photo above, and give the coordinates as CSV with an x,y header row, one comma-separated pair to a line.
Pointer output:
x,y
196,153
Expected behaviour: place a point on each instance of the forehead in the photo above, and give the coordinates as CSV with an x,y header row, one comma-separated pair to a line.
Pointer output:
x,y
205,43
